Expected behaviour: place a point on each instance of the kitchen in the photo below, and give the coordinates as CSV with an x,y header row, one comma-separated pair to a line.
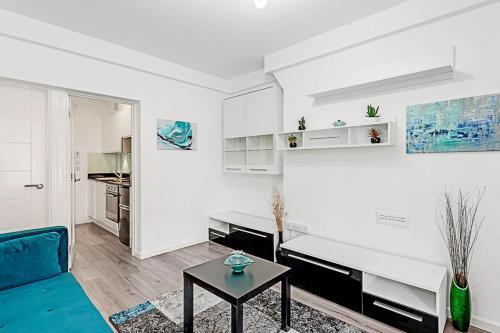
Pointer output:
x,y
102,146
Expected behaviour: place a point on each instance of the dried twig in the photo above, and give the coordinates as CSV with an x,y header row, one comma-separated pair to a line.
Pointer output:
x,y
460,227
278,208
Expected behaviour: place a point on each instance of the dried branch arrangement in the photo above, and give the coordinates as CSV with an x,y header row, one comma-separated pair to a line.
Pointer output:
x,y
278,208
460,226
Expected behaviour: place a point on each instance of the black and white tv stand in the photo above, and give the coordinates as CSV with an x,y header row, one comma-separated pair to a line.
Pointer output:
x,y
405,293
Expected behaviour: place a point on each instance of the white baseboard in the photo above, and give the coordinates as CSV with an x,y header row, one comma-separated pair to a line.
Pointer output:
x,y
108,226
152,253
485,324
481,323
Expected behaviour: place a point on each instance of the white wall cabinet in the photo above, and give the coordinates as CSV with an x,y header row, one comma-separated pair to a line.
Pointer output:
x,y
250,123
264,111
234,117
114,127
100,201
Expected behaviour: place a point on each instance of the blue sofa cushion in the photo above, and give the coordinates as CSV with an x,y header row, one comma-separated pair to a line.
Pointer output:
x,y
54,305
29,259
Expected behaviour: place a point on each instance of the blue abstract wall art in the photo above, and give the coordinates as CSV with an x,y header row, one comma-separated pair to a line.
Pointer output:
x,y
175,135
458,125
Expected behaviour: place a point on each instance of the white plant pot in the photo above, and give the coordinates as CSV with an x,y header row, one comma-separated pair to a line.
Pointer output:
x,y
374,120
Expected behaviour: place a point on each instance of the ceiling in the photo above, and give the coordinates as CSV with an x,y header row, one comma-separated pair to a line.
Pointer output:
x,y
227,38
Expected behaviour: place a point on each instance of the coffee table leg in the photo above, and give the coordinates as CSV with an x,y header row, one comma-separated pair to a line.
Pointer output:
x,y
236,318
285,304
188,306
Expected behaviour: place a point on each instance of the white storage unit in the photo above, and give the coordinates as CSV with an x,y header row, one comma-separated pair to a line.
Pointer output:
x,y
250,123
351,136
91,206
100,201
406,293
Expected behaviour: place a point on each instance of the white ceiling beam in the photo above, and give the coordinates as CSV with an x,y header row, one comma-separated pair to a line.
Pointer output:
x,y
408,15
43,34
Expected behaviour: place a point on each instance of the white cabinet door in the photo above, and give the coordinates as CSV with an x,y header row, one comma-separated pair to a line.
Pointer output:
x,y
91,199
100,201
233,117
264,111
114,127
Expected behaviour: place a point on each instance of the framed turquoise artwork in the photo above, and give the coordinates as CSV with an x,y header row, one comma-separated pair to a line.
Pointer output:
x,y
175,135
459,125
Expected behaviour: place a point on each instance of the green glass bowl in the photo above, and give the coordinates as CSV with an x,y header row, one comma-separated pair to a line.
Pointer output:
x,y
238,261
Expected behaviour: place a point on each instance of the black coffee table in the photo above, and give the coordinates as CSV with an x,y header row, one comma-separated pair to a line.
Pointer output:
x,y
236,289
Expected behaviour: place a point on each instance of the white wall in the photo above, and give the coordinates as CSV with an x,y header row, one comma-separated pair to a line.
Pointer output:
x,y
179,188
337,192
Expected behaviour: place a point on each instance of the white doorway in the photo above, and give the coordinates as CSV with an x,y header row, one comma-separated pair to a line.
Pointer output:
x,y
23,158
102,160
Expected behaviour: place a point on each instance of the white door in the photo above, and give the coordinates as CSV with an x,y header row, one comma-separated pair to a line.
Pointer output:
x,y
22,158
233,117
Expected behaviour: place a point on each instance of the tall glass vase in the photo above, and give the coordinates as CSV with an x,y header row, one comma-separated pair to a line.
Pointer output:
x,y
460,306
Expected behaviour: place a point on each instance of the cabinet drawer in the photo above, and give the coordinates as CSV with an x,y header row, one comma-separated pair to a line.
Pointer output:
x,y
252,241
336,283
218,237
399,316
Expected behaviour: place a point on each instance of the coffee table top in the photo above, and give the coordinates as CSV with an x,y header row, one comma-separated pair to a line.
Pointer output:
x,y
236,288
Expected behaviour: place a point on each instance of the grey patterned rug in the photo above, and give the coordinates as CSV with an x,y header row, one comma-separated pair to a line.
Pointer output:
x,y
213,315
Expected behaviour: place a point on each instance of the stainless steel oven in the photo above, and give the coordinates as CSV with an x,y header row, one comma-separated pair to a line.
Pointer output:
x,y
112,203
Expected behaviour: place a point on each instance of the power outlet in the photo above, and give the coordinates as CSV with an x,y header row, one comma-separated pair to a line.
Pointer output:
x,y
296,227
393,218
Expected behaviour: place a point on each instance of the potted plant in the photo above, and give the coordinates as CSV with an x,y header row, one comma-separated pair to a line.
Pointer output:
x,y
460,226
374,134
302,124
292,140
372,113
278,210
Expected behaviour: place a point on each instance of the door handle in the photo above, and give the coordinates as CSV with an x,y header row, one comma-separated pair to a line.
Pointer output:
x,y
37,186
124,207
249,232
76,180
332,268
398,311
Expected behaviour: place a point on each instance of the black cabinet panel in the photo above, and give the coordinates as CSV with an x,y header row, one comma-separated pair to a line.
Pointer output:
x,y
399,316
336,283
218,237
251,241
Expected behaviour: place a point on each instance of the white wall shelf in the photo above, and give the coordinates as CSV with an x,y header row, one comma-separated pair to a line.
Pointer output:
x,y
435,66
352,136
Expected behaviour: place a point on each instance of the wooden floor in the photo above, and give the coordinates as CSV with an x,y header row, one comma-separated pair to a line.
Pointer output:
x,y
115,281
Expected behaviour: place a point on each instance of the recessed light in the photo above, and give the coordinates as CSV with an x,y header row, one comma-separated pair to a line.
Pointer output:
x,y
260,4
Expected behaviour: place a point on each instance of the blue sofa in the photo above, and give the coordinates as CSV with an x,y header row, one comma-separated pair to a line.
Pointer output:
x,y
37,293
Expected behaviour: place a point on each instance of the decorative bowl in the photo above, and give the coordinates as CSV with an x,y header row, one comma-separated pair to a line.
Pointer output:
x,y
238,261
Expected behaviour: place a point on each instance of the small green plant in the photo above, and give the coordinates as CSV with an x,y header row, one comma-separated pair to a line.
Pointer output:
x,y
374,132
292,139
302,124
372,112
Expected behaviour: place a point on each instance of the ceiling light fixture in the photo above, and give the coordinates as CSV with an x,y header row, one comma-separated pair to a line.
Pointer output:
x,y
260,4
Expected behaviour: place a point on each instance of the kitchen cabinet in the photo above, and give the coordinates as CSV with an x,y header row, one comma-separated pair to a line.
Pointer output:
x,y
264,111
91,199
100,201
114,127
250,123
233,117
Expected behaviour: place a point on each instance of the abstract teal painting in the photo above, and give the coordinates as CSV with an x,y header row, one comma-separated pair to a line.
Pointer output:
x,y
175,135
458,125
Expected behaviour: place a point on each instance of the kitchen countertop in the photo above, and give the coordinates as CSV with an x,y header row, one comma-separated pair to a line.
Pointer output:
x,y
108,181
